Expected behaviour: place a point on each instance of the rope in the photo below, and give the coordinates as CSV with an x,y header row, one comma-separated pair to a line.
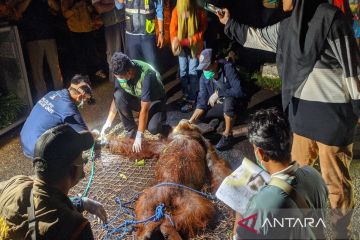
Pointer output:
x,y
127,225
92,159
171,184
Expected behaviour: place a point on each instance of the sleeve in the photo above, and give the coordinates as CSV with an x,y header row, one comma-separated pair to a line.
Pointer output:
x,y
234,81
146,87
203,95
173,24
78,203
76,122
159,7
346,51
263,39
198,36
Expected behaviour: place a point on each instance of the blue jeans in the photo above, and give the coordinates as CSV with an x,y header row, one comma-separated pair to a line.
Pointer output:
x,y
141,47
188,74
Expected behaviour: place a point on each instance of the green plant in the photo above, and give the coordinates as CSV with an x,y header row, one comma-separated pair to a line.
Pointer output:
x,y
10,108
273,84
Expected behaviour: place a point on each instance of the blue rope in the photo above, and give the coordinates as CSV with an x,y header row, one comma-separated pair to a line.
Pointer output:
x,y
171,184
127,225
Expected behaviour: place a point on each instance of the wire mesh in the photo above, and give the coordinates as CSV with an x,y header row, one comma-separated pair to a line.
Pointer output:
x,y
116,176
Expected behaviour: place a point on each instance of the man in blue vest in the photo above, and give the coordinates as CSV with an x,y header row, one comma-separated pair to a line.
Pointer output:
x,y
140,28
138,87
56,108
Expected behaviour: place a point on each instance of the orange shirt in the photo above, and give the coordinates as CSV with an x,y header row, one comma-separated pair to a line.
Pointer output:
x,y
197,38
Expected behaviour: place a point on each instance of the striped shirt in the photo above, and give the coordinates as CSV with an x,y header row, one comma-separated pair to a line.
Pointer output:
x,y
326,106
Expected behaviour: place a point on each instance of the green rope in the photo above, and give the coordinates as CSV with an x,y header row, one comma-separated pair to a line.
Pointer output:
x,y
92,159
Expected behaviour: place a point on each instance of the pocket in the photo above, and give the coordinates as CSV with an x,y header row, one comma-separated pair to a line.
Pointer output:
x,y
150,25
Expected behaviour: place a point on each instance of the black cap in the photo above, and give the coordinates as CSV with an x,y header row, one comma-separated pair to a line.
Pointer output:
x,y
61,145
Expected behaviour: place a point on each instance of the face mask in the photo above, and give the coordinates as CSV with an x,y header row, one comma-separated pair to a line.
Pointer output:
x,y
81,104
259,162
209,74
122,80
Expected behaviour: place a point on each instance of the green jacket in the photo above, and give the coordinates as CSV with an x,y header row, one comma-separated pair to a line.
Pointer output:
x,y
136,90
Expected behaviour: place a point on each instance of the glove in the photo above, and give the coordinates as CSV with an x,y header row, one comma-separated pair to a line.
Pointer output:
x,y
137,143
106,126
95,208
213,98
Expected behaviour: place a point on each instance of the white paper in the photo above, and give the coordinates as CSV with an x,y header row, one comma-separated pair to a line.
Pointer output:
x,y
237,188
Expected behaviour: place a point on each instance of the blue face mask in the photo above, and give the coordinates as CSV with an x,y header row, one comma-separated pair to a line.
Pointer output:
x,y
209,74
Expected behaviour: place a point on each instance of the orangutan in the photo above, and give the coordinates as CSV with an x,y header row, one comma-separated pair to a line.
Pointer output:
x,y
189,159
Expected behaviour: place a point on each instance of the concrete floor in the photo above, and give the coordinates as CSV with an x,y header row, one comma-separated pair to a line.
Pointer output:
x,y
13,162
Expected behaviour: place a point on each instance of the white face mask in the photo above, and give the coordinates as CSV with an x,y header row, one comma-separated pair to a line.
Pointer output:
x,y
81,104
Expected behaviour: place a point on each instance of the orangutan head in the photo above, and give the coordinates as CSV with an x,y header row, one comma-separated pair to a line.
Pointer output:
x,y
186,128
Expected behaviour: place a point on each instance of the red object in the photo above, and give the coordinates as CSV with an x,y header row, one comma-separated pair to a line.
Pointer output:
x,y
340,4
185,42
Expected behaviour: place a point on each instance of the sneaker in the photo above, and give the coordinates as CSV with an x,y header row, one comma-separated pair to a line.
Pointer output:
x,y
187,108
225,143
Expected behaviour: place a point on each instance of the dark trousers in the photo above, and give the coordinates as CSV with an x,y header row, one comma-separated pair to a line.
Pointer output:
x,y
126,103
115,42
84,53
230,106
142,47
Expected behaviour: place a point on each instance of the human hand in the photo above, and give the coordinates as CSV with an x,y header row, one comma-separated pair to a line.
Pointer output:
x,y
137,143
224,16
94,207
213,98
160,40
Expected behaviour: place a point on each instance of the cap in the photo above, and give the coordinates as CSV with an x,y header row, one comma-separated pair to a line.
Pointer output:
x,y
62,145
205,59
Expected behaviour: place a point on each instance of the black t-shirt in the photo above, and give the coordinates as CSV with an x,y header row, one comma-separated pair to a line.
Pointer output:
x,y
37,22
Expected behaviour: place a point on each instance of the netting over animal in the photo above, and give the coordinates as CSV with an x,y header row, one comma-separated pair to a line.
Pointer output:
x,y
116,176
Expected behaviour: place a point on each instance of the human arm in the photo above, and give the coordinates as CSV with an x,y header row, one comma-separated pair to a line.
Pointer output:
x,y
263,39
110,118
94,207
76,121
143,119
203,95
234,81
159,7
346,51
196,115
173,24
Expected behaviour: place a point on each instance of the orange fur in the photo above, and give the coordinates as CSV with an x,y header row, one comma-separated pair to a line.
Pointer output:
x,y
123,146
187,159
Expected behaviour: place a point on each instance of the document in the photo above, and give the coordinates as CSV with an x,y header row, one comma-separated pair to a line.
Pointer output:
x,y
237,189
